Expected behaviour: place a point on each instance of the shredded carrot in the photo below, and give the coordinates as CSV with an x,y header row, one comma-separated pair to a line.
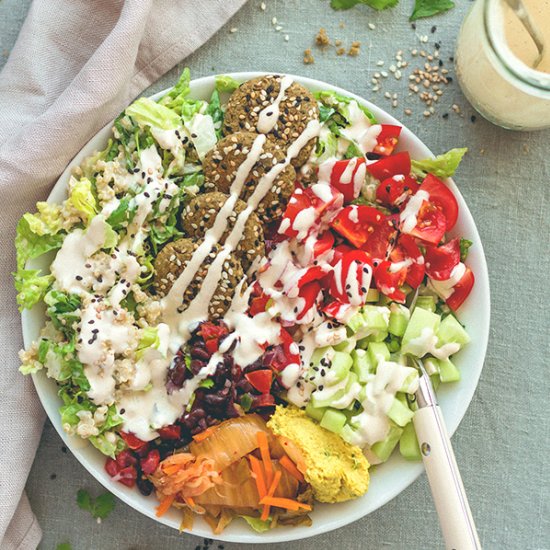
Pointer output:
x,y
203,435
266,457
270,493
190,502
164,505
285,503
290,467
258,475
171,469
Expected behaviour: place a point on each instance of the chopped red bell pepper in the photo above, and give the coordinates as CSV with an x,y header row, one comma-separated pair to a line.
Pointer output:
x,y
170,432
263,400
132,441
260,379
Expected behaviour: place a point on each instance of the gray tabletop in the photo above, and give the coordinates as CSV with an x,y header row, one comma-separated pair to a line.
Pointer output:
x,y
502,445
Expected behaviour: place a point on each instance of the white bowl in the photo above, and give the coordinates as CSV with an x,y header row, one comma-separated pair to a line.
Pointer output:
x,y
389,479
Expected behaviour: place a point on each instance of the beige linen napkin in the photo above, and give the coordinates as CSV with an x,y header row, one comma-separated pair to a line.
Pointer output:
x,y
75,65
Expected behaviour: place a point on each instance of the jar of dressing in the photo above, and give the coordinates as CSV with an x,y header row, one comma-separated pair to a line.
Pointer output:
x,y
498,64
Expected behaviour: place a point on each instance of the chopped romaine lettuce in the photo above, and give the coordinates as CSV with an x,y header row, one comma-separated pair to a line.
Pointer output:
x,y
147,112
176,96
31,287
82,199
30,244
225,83
442,166
259,525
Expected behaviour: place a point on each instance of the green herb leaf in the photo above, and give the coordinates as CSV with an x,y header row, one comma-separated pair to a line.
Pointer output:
x,y
84,500
442,166
100,507
63,546
104,505
465,245
376,4
427,8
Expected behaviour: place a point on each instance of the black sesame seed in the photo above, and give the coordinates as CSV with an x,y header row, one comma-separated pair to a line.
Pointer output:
x,y
78,278
433,29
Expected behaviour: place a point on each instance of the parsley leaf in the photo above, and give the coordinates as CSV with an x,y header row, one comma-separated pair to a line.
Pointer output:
x,y
99,507
376,4
103,505
427,8
464,247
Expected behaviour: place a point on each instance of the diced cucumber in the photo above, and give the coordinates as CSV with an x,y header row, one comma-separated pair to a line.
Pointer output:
x,y
451,331
376,318
394,345
383,449
356,322
378,351
426,302
408,444
321,353
347,346
333,420
399,319
448,371
348,433
314,412
372,295
362,365
421,320
339,369
431,365
378,336
400,413
319,403
363,343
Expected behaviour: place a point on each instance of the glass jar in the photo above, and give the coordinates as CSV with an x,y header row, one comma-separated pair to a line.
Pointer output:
x,y
491,65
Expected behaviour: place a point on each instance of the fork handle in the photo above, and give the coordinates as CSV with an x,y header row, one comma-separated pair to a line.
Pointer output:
x,y
448,492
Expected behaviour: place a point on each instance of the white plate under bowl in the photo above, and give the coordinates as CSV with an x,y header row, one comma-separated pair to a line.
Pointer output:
x,y
389,479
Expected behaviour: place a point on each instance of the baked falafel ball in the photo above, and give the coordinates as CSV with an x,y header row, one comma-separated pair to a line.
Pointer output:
x,y
296,109
222,162
200,213
172,260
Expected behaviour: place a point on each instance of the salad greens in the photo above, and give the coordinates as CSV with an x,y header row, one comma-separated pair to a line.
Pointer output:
x,y
442,166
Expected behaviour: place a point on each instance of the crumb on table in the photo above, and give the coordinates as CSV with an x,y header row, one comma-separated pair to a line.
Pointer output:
x,y
322,38
355,48
308,57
